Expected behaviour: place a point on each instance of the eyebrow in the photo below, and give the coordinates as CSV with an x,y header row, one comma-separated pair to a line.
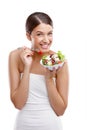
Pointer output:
x,y
43,32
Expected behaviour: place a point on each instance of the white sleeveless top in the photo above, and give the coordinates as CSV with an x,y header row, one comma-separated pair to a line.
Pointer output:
x,y
37,114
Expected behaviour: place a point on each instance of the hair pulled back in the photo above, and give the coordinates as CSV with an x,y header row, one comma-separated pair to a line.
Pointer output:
x,y
35,19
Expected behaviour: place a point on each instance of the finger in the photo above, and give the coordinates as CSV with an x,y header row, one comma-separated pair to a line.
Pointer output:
x,y
53,70
27,50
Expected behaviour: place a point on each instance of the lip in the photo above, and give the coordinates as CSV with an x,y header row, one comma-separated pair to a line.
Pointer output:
x,y
45,46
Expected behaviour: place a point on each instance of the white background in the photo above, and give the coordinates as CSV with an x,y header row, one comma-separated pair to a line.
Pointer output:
x,y
70,36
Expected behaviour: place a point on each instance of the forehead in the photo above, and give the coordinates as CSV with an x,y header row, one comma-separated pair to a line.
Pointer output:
x,y
43,28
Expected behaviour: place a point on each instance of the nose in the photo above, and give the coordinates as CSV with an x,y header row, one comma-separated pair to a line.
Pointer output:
x,y
45,38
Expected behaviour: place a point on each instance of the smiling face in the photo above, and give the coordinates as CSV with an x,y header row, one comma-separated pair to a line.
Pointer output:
x,y
41,37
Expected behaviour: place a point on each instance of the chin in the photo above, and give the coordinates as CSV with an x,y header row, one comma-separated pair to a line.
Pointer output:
x,y
44,51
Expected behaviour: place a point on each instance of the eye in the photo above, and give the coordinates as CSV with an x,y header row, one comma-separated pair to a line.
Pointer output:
x,y
39,34
50,33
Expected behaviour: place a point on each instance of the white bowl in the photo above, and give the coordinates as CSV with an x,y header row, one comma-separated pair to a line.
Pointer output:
x,y
56,66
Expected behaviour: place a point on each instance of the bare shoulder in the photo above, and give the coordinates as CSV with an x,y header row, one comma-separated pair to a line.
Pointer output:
x,y
14,58
14,53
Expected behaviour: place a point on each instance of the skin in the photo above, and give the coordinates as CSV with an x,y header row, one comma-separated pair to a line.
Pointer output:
x,y
25,61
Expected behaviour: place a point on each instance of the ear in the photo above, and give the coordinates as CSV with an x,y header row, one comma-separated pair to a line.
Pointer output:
x,y
28,36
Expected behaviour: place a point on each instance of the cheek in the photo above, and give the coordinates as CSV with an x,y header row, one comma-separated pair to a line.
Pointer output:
x,y
51,39
35,41
32,40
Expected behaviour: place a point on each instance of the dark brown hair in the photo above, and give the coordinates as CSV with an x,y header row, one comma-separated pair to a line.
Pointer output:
x,y
35,19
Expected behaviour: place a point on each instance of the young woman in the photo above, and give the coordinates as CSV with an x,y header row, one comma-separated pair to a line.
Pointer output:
x,y
40,95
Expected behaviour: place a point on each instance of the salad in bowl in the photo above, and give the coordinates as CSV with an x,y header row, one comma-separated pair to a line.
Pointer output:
x,y
53,61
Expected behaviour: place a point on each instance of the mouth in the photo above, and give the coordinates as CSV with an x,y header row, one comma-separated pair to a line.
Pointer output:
x,y
42,48
45,46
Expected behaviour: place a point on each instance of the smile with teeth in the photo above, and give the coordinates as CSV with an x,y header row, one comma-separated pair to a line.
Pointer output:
x,y
44,46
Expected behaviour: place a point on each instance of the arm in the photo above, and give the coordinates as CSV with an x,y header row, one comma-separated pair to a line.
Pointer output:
x,y
58,92
18,86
